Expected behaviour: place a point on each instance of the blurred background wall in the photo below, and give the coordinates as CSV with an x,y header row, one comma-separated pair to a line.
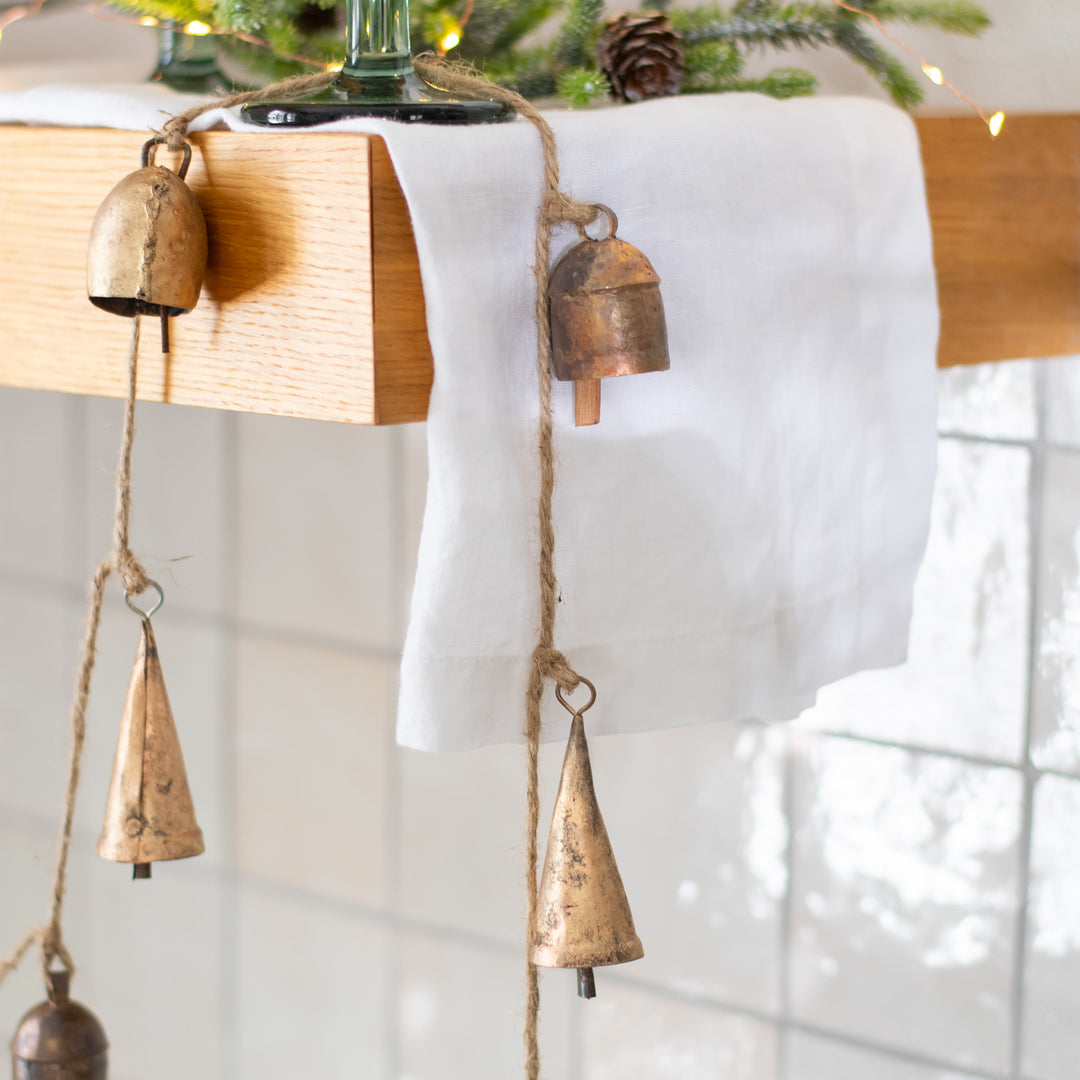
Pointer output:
x,y
886,888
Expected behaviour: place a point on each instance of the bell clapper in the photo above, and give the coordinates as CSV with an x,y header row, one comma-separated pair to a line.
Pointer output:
x,y
164,330
586,983
586,402
140,871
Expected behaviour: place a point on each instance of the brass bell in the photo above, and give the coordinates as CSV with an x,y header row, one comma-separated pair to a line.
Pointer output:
x,y
583,917
149,813
148,244
59,1039
607,317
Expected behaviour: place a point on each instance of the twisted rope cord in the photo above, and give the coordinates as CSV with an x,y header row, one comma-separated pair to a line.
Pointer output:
x,y
121,561
556,208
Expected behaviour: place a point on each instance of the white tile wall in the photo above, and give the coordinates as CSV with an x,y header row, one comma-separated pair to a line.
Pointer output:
x,y
1055,717
460,1010
311,760
903,899
812,1057
883,890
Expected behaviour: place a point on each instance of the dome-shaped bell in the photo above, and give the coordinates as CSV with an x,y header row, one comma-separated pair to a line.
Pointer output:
x,y
147,251
59,1039
607,317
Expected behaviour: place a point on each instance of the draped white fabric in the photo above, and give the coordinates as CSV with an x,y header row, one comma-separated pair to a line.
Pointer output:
x,y
737,532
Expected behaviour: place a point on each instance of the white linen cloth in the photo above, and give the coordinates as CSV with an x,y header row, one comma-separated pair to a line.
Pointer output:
x,y
737,532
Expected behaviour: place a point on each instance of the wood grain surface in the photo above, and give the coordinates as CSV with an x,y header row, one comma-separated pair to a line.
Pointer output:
x,y
313,304
1006,219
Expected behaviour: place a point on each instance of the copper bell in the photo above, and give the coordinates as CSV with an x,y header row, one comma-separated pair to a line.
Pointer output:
x,y
59,1039
148,244
583,917
149,813
607,317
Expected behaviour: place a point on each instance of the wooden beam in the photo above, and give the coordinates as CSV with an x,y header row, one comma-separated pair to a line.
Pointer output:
x,y
293,319
313,305
1006,219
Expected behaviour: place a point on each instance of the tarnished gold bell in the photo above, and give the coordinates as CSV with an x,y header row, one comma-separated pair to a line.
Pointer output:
x,y
59,1039
147,252
607,317
583,917
149,813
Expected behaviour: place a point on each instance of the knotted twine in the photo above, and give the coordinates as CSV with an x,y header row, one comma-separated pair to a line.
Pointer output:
x,y
121,561
556,208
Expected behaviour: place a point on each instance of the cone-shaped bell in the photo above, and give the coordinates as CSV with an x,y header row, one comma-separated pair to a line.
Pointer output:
x,y
59,1039
583,918
149,815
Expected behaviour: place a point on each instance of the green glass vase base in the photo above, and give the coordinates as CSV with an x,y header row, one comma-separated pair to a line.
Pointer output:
x,y
406,98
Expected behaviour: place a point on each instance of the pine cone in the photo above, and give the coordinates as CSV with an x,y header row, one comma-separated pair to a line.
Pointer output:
x,y
642,56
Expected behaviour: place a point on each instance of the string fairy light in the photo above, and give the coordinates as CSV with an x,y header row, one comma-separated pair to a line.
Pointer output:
x,y
931,71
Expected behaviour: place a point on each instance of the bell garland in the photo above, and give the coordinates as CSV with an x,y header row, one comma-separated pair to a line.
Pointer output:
x,y
147,257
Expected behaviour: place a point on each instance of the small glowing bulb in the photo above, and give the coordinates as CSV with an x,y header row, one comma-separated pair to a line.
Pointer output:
x,y
148,20
450,40
334,67
933,74
197,29
995,123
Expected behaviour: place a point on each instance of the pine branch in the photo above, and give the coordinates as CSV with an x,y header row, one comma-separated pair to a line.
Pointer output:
x,y
952,16
794,26
890,72
782,83
576,41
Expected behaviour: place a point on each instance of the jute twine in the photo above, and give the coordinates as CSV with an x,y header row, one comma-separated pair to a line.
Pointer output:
x,y
121,561
556,208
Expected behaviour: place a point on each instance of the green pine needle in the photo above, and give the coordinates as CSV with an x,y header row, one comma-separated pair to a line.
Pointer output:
x,y
581,87
785,83
952,16
576,40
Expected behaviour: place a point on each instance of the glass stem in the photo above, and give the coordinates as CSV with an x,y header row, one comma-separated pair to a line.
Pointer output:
x,y
377,38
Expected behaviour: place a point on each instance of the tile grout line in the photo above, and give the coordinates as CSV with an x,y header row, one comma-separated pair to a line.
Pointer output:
x,y
229,690
1029,775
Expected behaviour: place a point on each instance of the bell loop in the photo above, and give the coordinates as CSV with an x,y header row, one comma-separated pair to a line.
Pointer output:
x,y
149,154
156,606
613,225
582,708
